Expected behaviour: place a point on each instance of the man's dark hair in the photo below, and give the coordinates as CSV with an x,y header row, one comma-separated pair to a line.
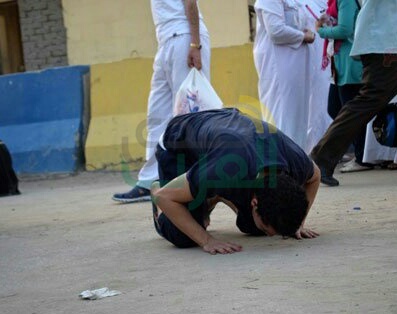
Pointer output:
x,y
282,203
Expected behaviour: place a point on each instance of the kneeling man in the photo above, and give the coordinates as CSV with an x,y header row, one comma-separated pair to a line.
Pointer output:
x,y
227,156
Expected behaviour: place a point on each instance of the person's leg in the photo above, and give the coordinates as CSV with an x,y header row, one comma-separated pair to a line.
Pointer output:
x,y
168,231
334,106
334,102
348,92
172,165
172,70
158,115
379,87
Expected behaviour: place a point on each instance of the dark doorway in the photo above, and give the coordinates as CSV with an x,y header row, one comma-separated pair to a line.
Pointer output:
x,y
11,57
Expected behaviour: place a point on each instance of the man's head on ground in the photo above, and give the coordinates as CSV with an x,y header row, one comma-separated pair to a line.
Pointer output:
x,y
279,205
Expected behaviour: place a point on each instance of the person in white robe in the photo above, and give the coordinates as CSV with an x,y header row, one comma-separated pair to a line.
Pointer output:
x,y
292,87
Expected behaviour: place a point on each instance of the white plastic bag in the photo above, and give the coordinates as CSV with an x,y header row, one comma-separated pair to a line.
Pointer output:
x,y
196,94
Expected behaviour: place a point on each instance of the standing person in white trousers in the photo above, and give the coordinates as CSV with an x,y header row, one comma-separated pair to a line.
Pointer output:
x,y
183,42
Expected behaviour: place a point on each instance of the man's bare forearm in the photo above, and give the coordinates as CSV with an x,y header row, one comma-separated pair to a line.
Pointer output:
x,y
184,221
171,199
311,188
192,14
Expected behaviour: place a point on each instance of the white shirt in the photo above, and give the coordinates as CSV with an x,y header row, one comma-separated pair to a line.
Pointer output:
x,y
376,28
170,19
283,21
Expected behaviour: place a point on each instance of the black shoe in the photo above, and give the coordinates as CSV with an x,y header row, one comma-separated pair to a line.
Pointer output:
x,y
137,194
327,178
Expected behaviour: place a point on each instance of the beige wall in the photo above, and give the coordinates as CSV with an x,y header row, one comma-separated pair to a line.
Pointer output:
x,y
117,38
101,31
227,21
119,93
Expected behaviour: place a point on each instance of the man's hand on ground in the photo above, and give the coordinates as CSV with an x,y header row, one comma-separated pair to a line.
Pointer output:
x,y
215,246
304,233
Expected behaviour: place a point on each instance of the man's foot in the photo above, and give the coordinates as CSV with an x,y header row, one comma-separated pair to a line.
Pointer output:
x,y
346,158
327,178
354,166
349,162
137,194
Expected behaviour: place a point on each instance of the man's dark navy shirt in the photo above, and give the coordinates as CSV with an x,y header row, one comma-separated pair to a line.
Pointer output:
x,y
227,150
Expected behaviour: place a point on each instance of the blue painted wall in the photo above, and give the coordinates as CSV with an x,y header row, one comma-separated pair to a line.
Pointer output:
x,y
44,118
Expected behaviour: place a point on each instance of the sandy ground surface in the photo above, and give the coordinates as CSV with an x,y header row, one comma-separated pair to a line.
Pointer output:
x,y
65,235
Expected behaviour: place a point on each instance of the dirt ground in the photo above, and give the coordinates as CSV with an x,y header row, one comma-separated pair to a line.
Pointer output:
x,y
65,235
